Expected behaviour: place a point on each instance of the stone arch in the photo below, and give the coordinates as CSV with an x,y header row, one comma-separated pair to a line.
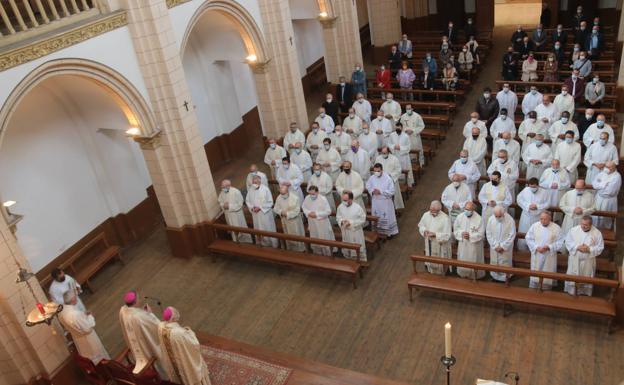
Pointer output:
x,y
118,87
243,21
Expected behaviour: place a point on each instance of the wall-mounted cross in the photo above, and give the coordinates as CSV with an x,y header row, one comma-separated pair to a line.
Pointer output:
x,y
186,105
290,39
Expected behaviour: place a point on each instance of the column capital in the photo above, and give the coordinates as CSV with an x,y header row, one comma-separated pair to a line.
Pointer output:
x,y
149,142
328,22
259,67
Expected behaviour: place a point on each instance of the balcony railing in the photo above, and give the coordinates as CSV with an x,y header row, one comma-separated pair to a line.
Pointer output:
x,y
22,19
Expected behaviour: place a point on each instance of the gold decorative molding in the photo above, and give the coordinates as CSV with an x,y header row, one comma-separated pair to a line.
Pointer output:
x,y
328,22
174,3
21,55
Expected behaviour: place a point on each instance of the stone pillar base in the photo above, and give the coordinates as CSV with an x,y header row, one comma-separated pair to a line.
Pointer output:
x,y
189,240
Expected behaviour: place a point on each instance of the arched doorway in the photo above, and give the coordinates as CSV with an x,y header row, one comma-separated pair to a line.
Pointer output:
x,y
66,160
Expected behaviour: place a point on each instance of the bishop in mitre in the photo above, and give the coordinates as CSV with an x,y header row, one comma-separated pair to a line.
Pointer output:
x,y
435,227
182,356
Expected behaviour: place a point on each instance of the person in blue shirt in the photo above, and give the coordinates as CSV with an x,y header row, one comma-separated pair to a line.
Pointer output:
x,y
430,62
358,80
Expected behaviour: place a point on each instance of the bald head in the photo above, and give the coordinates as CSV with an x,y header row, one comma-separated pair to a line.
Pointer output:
x,y
499,211
470,206
435,207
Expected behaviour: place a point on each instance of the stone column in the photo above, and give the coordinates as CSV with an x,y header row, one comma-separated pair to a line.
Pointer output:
x,y
278,82
175,158
385,22
341,34
25,352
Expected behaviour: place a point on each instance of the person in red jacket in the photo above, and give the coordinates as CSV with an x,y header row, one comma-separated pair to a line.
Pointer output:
x,y
382,79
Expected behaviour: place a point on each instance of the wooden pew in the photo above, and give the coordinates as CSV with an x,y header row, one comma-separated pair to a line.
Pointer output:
x,y
508,294
87,261
222,245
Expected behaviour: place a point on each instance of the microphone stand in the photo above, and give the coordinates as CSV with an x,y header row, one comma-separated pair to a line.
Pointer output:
x,y
158,302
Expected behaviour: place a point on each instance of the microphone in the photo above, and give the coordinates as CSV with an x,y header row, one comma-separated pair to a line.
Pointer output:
x,y
515,377
153,299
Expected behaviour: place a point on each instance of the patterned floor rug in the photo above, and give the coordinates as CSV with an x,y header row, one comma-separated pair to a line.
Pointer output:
x,y
227,368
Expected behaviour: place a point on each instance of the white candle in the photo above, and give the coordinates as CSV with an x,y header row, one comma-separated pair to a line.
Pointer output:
x,y
447,340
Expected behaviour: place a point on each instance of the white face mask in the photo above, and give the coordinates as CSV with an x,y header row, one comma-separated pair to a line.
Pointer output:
x,y
474,120
380,118
326,146
409,112
505,89
534,189
499,219
503,117
377,173
322,114
329,100
564,93
256,186
456,184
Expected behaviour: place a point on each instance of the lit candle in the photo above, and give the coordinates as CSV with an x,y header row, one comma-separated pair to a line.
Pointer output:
x,y
40,307
447,340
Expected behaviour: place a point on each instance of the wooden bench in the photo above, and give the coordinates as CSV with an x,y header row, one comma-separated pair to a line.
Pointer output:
x,y
221,245
507,294
87,261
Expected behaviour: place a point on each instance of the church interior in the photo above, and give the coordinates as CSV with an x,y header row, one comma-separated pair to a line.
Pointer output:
x,y
160,225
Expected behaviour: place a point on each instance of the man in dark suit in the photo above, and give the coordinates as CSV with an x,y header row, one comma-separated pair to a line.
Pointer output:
x,y
487,107
517,38
394,58
526,47
559,35
331,108
559,53
545,16
539,38
510,65
593,43
580,36
585,121
427,80
451,33
578,18
344,94
469,29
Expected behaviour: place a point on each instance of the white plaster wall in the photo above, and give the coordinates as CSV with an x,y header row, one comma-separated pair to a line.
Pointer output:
x,y
304,9
181,16
113,49
221,84
309,42
362,12
67,176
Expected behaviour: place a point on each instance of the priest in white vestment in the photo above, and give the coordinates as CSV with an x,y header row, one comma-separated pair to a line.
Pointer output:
x,y
536,157
564,101
568,152
329,159
494,193
502,124
472,123
391,108
529,129
324,184
413,125
544,239
435,227
302,159
260,202
362,108
531,100
533,201
231,202
508,170
290,175
341,141
253,171
288,208
555,181
467,171
317,210
352,124
598,154
380,186
584,244
273,157
508,144
500,232
315,139
182,355
140,330
400,146
292,137
325,122
469,232
455,196
368,141
392,167
360,160
596,129
547,112
607,185
81,326
576,204
350,181
61,285
558,129
477,149
507,99
382,127
351,218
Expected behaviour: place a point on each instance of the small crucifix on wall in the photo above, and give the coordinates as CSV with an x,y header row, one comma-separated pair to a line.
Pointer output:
x,y
290,39
186,104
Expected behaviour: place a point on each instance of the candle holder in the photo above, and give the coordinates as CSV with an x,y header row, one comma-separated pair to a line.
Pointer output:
x,y
448,362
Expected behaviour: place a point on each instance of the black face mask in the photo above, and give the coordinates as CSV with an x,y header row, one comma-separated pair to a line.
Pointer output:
x,y
495,183
61,279
398,132
475,136
347,170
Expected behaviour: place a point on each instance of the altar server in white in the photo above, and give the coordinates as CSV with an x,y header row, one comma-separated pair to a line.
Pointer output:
x,y
231,202
584,244
381,188
544,239
288,208
607,185
351,218
501,233
317,210
61,285
469,231
260,202
435,227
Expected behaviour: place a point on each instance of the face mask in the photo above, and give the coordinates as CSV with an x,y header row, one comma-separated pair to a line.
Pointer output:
x,y
503,160
464,160
539,30
297,151
555,170
538,143
486,95
569,140
326,146
557,46
582,57
382,68
580,192
506,141
595,80
272,145
534,189
474,120
380,118
503,117
428,58
338,133
595,31
398,132
329,100
600,123
313,197
226,190
551,59
475,137
505,89
322,114
495,183
588,117
360,101
347,171
366,130
456,184
389,98
468,213
564,120
254,173
377,173
603,142
385,156
357,68
317,172
499,219
532,120
409,112
533,92
576,49
315,130
286,166
256,186
519,30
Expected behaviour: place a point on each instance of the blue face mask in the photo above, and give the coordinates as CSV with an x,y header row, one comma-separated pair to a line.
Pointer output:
x,y
313,197
533,92
538,143
600,123
286,166
564,120
468,213
226,190
272,145
569,140
298,150
317,172
603,142
506,141
464,160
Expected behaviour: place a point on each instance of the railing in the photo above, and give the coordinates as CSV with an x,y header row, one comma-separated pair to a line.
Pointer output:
x,y
25,18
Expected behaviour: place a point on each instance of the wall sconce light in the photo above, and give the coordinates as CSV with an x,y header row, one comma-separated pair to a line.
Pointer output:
x,y
251,58
323,15
133,132
12,219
